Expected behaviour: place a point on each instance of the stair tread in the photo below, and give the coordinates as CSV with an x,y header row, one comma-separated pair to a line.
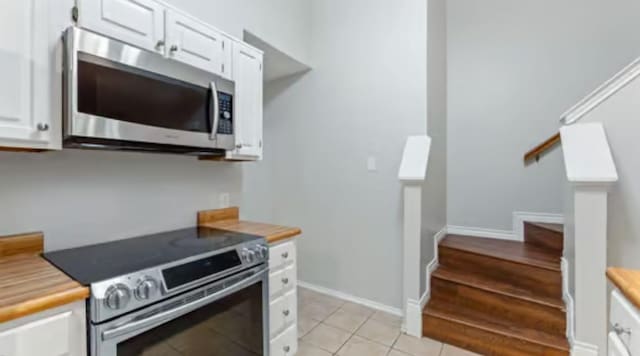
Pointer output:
x,y
513,251
495,286
494,325
549,226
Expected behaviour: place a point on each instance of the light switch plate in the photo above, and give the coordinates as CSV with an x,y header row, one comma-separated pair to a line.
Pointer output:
x,y
372,165
224,200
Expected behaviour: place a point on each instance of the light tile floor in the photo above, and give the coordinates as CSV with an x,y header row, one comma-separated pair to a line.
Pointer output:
x,y
329,326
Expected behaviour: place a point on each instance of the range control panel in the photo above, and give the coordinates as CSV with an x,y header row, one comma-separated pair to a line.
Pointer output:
x,y
225,126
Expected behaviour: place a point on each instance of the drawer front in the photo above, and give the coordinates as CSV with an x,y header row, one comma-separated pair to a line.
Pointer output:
x,y
281,255
626,317
283,313
282,281
285,344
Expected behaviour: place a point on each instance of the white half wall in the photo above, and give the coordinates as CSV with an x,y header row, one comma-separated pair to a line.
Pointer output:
x,y
434,190
514,68
366,93
620,115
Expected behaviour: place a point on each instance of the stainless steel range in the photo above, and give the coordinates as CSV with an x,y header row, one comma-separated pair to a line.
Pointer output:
x,y
195,291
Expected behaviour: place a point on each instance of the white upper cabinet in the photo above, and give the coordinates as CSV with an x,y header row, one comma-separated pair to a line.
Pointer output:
x,y
197,44
247,70
138,22
25,117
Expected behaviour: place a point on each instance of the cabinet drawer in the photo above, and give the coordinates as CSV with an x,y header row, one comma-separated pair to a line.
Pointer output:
x,y
281,255
283,313
282,281
627,317
285,344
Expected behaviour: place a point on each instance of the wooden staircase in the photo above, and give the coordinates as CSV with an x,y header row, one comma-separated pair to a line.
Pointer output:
x,y
498,297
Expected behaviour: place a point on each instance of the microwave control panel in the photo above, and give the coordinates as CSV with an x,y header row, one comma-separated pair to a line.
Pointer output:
x,y
225,126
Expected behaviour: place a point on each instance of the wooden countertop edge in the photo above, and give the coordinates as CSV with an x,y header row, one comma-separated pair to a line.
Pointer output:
x,y
627,281
228,219
40,304
289,233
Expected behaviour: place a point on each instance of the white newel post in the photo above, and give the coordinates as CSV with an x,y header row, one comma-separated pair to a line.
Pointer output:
x,y
590,214
413,172
591,171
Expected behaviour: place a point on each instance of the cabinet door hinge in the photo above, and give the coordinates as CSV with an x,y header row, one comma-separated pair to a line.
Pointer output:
x,y
222,67
74,13
260,143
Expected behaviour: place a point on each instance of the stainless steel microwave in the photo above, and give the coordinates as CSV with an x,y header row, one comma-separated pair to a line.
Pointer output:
x,y
117,96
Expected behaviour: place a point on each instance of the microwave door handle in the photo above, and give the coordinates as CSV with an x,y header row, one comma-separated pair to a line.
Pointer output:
x,y
163,317
215,104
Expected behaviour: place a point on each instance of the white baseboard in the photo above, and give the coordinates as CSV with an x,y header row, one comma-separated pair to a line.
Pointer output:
x,y
519,217
351,298
568,302
481,232
433,265
412,324
583,349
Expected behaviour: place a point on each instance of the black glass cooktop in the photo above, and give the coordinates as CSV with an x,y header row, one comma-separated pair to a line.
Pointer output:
x,y
94,263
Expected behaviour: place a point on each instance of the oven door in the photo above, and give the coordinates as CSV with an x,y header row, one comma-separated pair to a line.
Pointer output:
x,y
114,91
228,317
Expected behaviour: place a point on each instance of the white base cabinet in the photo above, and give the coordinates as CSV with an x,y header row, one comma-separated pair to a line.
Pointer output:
x,y
283,299
56,332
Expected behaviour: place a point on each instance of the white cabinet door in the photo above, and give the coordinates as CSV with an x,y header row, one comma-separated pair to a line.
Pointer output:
x,y
197,44
54,332
24,69
49,337
247,72
138,22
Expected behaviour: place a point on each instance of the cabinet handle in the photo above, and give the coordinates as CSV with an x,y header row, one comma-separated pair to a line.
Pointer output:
x,y
286,348
286,312
285,280
160,45
173,49
43,126
285,255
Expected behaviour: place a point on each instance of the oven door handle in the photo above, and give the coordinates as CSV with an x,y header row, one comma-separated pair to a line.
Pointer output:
x,y
215,104
169,315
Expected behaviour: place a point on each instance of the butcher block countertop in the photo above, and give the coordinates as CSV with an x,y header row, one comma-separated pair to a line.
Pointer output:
x,y
28,283
229,219
627,281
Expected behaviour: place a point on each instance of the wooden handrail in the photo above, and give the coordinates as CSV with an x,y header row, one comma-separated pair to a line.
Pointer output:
x,y
535,153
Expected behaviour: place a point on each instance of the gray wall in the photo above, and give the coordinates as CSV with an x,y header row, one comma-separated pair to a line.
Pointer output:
x,y
514,68
84,197
365,95
620,116
434,199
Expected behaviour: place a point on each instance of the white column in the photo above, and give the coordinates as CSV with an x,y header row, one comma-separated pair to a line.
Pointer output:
x,y
411,268
590,213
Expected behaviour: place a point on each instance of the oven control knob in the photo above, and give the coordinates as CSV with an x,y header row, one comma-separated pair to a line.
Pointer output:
x,y
117,296
244,254
147,288
263,251
251,256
